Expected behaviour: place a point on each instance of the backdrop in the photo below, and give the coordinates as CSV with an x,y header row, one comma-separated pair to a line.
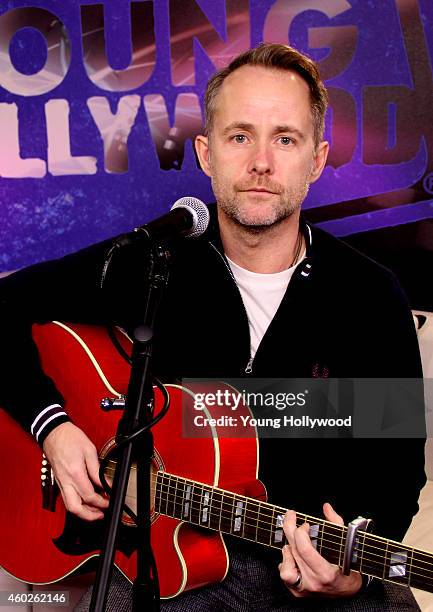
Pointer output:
x,y
100,102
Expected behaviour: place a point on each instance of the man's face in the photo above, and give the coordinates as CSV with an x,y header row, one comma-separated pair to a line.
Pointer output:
x,y
260,154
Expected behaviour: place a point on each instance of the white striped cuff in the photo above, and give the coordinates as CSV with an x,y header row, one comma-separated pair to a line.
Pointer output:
x,y
46,416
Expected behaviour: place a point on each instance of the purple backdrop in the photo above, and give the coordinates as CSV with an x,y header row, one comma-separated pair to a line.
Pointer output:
x,y
99,104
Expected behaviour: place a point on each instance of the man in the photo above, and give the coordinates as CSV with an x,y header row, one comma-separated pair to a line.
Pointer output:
x,y
271,297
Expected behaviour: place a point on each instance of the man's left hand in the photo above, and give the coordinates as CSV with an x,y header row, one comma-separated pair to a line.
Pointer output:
x,y
301,559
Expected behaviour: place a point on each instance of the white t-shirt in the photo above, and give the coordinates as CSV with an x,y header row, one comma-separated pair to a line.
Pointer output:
x,y
261,295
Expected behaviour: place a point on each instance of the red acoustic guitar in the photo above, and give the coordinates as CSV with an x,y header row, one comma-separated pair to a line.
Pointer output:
x,y
201,488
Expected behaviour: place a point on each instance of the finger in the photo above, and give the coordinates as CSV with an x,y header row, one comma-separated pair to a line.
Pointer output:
x,y
309,561
92,465
290,530
289,527
95,500
89,513
73,503
77,477
78,481
87,492
288,569
331,515
288,559
307,557
290,574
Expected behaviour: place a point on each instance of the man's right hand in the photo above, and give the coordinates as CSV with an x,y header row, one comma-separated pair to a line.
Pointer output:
x,y
74,460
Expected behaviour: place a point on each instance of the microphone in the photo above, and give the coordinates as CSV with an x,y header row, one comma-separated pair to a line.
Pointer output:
x,y
188,217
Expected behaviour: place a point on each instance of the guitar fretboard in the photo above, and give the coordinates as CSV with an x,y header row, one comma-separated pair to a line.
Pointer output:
x,y
258,521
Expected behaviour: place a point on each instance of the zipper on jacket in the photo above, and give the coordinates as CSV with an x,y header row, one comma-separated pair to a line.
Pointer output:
x,y
229,270
249,366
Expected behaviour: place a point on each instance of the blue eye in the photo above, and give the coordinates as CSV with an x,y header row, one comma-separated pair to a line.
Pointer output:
x,y
239,138
286,140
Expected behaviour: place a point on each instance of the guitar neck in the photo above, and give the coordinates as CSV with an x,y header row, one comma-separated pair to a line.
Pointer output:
x,y
251,519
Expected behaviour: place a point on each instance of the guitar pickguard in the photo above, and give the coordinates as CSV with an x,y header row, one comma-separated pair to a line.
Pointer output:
x,y
82,537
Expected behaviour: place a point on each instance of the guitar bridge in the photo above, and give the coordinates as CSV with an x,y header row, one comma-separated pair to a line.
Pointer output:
x,y
49,487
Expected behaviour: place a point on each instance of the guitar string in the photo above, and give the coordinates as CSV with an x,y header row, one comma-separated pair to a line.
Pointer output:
x,y
368,560
250,500
340,528
367,555
266,524
263,506
366,550
364,561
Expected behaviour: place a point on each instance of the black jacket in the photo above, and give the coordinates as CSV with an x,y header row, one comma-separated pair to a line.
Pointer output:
x,y
343,315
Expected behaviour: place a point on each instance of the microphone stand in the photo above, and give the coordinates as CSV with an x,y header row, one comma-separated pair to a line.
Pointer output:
x,y
138,413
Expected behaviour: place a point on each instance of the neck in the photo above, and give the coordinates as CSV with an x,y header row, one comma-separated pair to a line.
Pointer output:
x,y
255,520
272,249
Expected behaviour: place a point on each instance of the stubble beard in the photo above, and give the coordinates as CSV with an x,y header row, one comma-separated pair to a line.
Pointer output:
x,y
287,202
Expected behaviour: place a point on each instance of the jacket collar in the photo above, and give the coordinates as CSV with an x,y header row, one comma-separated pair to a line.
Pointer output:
x,y
213,235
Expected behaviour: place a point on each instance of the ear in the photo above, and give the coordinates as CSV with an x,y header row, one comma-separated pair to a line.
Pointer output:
x,y
203,153
319,160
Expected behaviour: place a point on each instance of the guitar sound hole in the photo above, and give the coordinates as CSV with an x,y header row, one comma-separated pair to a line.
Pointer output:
x,y
131,492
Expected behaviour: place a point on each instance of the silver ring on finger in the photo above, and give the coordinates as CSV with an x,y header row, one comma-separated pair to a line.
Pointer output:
x,y
298,582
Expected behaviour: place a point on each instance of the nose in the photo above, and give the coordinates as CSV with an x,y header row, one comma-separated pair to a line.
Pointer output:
x,y
261,161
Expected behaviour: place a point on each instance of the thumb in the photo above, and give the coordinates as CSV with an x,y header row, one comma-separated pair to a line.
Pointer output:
x,y
331,515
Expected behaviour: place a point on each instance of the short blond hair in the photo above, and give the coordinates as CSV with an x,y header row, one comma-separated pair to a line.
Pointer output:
x,y
281,57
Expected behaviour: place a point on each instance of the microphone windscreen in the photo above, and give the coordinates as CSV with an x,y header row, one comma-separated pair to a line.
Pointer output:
x,y
198,210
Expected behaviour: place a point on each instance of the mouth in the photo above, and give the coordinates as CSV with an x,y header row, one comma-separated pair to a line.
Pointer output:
x,y
258,190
